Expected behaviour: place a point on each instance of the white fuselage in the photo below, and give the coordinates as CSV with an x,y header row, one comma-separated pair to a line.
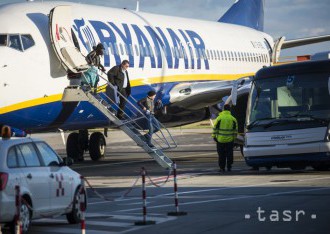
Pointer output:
x,y
191,50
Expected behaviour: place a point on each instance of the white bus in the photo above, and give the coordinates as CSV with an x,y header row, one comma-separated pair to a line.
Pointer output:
x,y
288,117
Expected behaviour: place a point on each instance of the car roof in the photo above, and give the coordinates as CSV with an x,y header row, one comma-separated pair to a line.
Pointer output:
x,y
5,143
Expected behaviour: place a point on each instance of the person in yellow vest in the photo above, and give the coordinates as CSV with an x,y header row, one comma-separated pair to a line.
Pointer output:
x,y
224,134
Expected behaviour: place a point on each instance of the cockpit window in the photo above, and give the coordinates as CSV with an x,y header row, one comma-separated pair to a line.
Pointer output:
x,y
15,42
3,40
19,42
27,41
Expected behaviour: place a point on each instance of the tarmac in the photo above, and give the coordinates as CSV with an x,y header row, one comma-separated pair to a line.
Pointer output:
x,y
240,201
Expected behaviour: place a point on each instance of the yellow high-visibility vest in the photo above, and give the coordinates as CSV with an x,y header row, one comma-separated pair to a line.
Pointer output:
x,y
225,127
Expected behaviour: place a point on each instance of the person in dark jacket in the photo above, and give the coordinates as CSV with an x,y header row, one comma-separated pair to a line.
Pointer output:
x,y
118,76
148,106
93,58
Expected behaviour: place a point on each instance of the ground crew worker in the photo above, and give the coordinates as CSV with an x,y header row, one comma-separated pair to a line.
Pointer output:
x,y
118,76
224,134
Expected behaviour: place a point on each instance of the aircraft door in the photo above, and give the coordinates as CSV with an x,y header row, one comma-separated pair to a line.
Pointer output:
x,y
60,29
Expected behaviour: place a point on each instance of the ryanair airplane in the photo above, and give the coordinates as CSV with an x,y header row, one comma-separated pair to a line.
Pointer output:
x,y
190,63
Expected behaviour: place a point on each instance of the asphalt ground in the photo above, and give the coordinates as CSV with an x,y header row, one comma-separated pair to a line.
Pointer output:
x,y
241,201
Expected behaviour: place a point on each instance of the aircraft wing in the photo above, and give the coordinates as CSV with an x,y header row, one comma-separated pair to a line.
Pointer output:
x,y
304,41
197,95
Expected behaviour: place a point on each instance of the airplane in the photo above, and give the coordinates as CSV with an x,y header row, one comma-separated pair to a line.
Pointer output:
x,y
191,63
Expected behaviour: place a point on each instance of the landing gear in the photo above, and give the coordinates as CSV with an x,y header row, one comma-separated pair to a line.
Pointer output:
x,y
78,143
74,149
97,146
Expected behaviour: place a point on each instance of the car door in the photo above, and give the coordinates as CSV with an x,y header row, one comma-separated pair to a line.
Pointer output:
x,y
61,181
35,176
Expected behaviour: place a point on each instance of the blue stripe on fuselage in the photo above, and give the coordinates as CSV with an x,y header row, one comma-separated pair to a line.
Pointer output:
x,y
84,116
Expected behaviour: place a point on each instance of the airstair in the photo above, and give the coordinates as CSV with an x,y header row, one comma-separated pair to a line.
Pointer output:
x,y
135,121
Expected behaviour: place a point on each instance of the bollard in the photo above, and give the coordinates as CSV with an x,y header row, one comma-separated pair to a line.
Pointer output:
x,y
82,204
144,198
176,196
18,225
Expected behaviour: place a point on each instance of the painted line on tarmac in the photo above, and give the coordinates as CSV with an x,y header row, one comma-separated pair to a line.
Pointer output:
x,y
210,190
139,161
230,199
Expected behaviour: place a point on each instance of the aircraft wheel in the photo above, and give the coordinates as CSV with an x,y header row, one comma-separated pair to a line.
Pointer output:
x,y
97,146
73,149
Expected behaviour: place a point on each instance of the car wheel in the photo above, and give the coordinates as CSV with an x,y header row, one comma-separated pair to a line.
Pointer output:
x,y
97,146
25,218
74,216
73,149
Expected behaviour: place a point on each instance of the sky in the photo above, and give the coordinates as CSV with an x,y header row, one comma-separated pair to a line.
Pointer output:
x,y
290,18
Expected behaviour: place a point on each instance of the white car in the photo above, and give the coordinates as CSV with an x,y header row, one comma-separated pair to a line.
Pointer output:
x,y
48,186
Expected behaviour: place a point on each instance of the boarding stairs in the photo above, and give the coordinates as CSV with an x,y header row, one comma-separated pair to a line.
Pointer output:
x,y
133,125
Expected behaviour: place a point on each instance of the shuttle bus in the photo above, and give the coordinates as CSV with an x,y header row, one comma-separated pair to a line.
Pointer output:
x,y
288,117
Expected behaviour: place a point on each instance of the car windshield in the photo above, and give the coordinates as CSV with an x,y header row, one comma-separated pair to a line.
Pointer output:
x,y
297,98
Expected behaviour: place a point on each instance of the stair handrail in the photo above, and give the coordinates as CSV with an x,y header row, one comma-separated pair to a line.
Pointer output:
x,y
162,127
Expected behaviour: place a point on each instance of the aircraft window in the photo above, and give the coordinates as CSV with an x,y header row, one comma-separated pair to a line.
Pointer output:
x,y
219,55
141,50
111,48
115,49
199,53
211,54
136,50
208,54
151,52
28,41
121,49
176,51
192,52
3,40
130,49
15,42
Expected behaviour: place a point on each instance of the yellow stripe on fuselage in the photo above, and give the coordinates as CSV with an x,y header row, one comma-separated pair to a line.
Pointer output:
x,y
135,82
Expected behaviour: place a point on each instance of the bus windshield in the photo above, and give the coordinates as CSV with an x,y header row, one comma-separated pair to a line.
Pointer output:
x,y
302,97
